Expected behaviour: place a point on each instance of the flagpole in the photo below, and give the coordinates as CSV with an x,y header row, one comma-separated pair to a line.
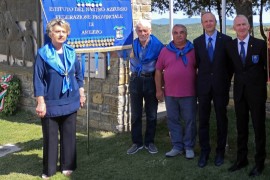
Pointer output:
x,y
88,104
223,7
171,17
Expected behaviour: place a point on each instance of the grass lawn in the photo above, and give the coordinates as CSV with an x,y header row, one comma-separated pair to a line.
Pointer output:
x,y
107,157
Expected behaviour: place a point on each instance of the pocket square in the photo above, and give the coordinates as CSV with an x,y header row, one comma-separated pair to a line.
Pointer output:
x,y
255,59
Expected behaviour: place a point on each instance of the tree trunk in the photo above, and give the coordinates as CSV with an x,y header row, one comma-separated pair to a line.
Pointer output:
x,y
261,23
244,7
219,17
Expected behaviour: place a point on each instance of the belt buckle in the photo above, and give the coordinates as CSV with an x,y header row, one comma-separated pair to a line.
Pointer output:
x,y
143,74
146,74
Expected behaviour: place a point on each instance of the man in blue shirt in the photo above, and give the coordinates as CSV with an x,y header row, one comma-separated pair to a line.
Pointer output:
x,y
146,49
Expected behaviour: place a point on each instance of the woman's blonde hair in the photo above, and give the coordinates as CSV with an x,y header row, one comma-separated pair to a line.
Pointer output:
x,y
59,22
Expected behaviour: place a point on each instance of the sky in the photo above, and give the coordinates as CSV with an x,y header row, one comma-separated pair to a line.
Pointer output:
x,y
179,15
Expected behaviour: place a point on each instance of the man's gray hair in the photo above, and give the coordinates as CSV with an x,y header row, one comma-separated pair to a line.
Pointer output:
x,y
241,16
180,25
144,23
207,12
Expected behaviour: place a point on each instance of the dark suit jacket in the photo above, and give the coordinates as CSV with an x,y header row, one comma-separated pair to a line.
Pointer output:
x,y
215,75
253,75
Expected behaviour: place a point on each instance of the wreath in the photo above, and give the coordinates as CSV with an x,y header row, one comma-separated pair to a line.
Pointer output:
x,y
10,91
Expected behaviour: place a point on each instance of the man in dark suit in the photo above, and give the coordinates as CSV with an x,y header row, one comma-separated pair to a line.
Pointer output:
x,y
249,58
214,77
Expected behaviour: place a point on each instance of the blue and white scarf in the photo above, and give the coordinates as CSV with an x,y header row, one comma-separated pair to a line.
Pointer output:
x,y
153,49
181,53
51,57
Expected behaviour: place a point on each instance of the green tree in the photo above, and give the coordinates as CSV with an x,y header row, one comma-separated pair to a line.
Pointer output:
x,y
193,7
264,5
245,7
196,7
250,8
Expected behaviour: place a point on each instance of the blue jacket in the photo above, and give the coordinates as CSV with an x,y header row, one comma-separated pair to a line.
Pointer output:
x,y
48,83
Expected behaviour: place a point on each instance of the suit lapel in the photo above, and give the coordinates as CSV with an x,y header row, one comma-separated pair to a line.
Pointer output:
x,y
235,51
202,42
249,50
217,45
203,47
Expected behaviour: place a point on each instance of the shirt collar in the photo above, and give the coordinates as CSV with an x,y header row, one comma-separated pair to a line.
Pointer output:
x,y
245,40
213,36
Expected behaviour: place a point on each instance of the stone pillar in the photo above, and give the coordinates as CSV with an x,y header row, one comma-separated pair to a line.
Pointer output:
x,y
109,108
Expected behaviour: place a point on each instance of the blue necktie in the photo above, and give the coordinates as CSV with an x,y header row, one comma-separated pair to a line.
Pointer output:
x,y
242,52
210,49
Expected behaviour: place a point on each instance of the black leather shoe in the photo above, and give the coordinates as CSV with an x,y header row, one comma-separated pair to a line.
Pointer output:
x,y
219,160
203,160
238,165
256,171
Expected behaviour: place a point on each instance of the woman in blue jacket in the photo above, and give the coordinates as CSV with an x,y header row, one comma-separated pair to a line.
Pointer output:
x,y
59,92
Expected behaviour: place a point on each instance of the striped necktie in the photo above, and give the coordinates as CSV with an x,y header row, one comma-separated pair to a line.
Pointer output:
x,y
242,52
210,49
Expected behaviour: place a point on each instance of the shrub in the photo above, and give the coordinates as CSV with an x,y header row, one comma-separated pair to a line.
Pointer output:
x,y
12,96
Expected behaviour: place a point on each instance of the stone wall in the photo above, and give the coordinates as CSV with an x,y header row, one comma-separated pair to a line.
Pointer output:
x,y
108,98
19,21
108,103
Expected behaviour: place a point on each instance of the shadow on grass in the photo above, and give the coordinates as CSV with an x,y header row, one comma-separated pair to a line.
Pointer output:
x,y
25,161
22,117
107,158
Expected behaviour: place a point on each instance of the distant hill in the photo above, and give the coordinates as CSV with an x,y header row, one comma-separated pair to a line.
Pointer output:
x,y
163,32
164,21
186,21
